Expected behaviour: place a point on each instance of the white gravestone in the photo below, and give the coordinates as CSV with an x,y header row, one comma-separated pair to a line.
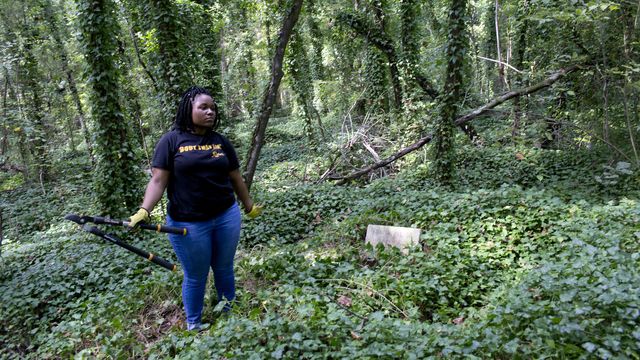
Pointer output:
x,y
400,237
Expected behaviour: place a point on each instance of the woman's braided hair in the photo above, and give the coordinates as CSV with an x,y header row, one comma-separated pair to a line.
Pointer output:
x,y
183,121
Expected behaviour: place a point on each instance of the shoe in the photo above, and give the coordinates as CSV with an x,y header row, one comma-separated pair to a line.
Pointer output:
x,y
197,327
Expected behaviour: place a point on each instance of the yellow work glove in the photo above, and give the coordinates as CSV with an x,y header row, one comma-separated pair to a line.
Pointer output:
x,y
141,216
255,211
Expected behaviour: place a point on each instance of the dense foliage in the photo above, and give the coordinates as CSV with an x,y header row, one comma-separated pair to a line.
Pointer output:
x,y
530,254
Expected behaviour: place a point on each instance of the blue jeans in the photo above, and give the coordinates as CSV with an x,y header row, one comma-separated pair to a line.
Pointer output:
x,y
210,243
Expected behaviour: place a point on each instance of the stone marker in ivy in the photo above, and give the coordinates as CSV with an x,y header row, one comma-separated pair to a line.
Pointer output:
x,y
400,237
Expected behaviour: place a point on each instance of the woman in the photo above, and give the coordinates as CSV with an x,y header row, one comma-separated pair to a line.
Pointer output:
x,y
200,170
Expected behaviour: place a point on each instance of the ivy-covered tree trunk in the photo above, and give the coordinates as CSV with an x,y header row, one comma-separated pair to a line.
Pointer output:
x,y
375,79
519,103
302,84
131,103
213,74
257,140
298,66
317,68
493,83
452,94
629,91
174,70
502,82
380,11
4,143
116,174
409,12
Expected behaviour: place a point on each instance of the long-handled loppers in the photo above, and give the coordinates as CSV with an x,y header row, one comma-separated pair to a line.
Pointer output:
x,y
83,220
107,221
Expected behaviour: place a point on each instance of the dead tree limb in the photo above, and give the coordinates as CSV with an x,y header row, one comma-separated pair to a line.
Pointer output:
x,y
515,93
387,161
460,121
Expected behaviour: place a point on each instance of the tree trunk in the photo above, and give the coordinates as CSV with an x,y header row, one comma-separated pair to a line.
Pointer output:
x,y
1,235
170,50
23,147
213,72
395,82
409,13
519,103
605,107
628,38
132,106
452,97
5,128
231,104
71,128
116,180
492,82
317,68
257,140
501,75
380,9
19,132
31,76
72,87
375,80
301,82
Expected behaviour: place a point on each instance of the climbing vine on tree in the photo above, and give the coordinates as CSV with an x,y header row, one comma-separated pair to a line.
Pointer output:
x,y
116,175
452,94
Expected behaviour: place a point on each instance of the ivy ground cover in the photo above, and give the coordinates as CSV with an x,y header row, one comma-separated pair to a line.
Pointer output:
x,y
517,269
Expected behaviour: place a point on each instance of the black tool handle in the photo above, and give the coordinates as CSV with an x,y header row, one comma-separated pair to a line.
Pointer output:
x,y
147,255
156,227
164,229
108,221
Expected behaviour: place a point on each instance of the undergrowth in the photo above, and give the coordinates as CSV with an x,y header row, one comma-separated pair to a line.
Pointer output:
x,y
530,255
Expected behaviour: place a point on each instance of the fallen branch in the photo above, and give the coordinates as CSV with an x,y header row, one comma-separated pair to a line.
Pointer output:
x,y
459,122
390,159
515,93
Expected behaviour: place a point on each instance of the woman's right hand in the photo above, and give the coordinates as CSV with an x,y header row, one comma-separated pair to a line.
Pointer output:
x,y
141,216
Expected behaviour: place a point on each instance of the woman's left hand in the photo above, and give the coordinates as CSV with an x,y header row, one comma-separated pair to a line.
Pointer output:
x,y
255,211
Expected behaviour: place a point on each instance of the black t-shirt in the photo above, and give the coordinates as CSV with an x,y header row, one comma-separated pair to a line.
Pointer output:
x,y
199,186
